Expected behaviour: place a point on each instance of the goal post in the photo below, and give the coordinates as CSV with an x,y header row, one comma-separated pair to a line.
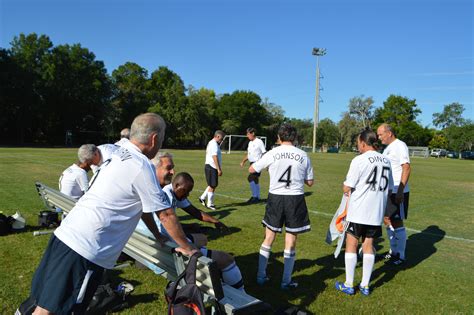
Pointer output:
x,y
419,151
237,143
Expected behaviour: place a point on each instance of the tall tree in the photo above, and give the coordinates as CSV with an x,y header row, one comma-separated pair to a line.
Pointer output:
x,y
131,96
460,137
200,119
327,133
348,130
77,93
27,53
304,128
362,110
396,111
451,116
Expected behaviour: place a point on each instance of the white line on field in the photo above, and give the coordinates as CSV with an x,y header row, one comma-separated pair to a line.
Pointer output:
x,y
409,229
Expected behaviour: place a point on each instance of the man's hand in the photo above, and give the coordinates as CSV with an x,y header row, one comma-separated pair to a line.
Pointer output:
x,y
186,252
219,172
242,164
221,226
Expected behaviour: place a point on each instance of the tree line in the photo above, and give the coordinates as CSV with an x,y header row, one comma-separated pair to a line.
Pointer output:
x,y
48,91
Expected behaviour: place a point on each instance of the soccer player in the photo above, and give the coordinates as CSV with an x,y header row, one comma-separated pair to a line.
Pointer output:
x,y
177,193
96,230
289,168
368,184
73,181
164,166
255,151
397,211
212,169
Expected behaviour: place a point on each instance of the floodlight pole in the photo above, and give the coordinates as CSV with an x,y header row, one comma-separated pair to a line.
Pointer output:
x,y
317,52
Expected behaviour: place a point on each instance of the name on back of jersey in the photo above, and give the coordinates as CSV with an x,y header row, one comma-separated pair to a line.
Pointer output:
x,y
289,156
373,159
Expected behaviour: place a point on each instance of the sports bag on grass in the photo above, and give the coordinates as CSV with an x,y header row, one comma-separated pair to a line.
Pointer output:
x,y
187,300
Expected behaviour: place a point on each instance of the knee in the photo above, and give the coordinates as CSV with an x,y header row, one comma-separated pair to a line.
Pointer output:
x,y
222,259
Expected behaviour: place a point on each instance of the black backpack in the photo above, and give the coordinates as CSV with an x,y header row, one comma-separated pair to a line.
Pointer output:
x,y
187,300
5,224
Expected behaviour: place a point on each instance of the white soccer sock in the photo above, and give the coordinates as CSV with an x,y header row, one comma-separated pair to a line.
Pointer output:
x,y
401,234
392,239
232,276
367,267
204,194
257,191
289,256
263,256
351,262
210,199
252,188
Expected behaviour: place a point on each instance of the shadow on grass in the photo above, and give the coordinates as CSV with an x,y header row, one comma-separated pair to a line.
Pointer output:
x,y
309,285
420,246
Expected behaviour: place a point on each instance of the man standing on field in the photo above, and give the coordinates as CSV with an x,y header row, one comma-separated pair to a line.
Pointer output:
x,y
212,169
368,184
255,151
397,210
289,168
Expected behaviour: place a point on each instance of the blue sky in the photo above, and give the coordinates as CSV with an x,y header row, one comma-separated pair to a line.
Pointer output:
x,y
421,49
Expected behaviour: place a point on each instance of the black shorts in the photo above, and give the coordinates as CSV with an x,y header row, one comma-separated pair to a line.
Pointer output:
x,y
286,210
211,176
253,177
363,230
64,280
394,211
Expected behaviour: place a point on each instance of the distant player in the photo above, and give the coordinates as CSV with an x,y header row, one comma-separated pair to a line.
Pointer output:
x,y
289,168
255,151
368,185
73,181
212,169
397,152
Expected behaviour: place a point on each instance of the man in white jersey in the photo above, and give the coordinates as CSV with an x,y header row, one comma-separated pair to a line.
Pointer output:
x,y
73,181
289,168
255,151
397,210
368,185
96,230
212,169
178,192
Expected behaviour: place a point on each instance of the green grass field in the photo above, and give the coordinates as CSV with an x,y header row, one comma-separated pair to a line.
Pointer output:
x,y
438,277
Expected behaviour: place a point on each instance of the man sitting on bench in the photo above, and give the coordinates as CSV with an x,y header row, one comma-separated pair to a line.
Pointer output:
x,y
177,193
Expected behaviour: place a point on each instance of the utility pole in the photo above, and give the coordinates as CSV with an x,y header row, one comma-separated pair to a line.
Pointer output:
x,y
317,52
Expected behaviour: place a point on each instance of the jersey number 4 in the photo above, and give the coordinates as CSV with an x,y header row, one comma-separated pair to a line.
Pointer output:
x,y
372,178
286,177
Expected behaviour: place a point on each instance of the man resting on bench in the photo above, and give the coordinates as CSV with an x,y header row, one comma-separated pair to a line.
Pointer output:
x,y
177,192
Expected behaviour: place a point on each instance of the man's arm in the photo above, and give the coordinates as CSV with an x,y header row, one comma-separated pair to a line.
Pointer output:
x,y
151,225
347,190
246,157
203,216
216,161
406,170
171,223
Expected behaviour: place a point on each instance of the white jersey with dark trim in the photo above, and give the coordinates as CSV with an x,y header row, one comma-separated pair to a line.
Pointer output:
x,y
212,149
74,182
370,177
255,150
102,221
398,153
288,167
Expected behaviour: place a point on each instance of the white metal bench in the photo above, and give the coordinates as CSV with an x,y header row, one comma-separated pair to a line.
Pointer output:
x,y
165,262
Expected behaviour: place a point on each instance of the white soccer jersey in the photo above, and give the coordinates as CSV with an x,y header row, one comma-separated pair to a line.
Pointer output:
x,y
175,203
102,221
106,151
74,182
255,150
370,176
397,152
289,167
213,148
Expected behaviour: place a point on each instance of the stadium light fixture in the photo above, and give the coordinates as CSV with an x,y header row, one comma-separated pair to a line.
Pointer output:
x,y
317,52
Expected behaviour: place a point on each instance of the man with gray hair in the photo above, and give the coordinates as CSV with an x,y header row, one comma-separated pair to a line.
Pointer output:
x,y
96,230
212,169
73,181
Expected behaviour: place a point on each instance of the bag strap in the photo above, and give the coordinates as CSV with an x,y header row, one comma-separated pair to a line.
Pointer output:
x,y
191,268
